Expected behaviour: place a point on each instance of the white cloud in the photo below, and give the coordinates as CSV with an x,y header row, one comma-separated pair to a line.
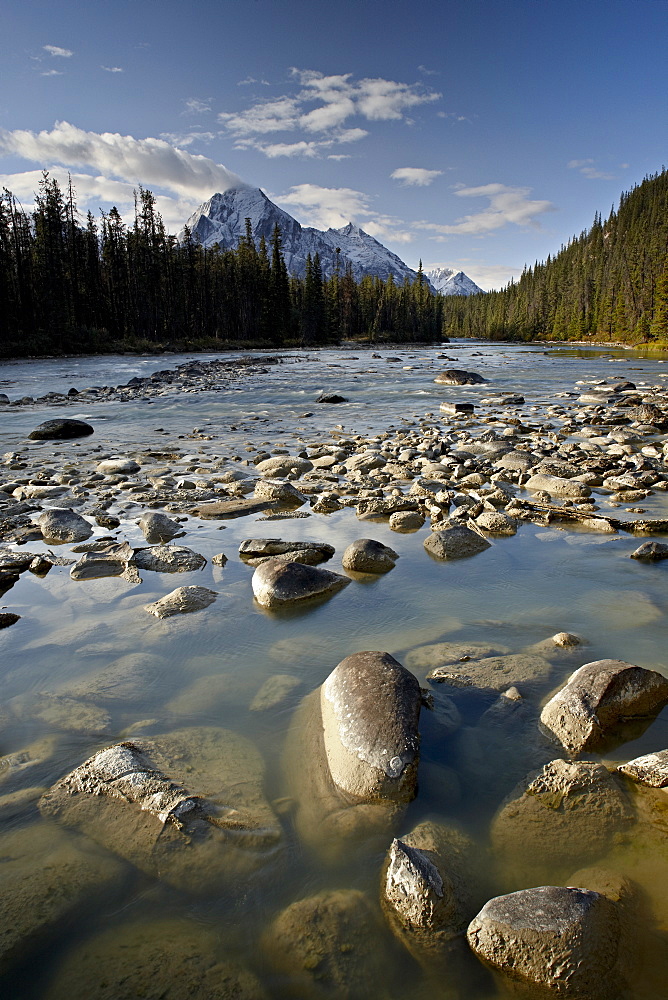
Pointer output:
x,y
337,98
416,176
51,72
251,79
196,107
112,69
324,207
587,169
55,50
150,162
506,205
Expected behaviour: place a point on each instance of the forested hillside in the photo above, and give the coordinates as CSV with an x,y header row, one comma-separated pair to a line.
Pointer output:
x,y
608,284
69,286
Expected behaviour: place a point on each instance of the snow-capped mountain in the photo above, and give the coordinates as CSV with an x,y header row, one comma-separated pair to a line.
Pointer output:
x,y
222,220
447,281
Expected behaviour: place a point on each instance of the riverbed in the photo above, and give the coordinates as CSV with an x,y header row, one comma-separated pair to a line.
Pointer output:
x,y
207,668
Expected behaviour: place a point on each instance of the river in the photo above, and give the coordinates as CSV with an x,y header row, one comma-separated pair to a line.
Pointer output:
x,y
516,594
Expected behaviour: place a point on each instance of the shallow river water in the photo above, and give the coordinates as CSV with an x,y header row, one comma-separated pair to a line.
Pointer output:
x,y
518,593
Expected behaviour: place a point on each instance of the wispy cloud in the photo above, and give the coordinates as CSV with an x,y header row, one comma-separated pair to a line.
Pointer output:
x,y
151,162
112,69
251,79
505,206
320,108
334,207
51,72
415,176
195,106
587,169
428,72
55,50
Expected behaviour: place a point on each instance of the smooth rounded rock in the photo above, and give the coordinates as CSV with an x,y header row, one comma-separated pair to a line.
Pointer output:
x,y
370,709
61,430
159,528
369,556
182,601
169,559
279,584
117,466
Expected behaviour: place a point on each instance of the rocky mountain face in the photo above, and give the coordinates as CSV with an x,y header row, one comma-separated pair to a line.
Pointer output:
x,y
447,281
222,220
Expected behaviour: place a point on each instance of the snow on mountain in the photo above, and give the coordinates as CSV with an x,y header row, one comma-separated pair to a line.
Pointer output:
x,y
222,220
447,281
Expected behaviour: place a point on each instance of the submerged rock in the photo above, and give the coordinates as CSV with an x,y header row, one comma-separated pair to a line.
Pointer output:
x,y
112,560
599,696
46,880
329,945
369,556
278,584
274,691
564,939
61,430
181,601
173,959
563,814
187,807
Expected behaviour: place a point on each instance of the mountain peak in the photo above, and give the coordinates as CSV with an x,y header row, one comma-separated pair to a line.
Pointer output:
x,y
222,220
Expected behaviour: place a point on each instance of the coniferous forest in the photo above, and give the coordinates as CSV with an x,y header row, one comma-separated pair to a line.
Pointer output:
x,y
69,285
72,287
608,284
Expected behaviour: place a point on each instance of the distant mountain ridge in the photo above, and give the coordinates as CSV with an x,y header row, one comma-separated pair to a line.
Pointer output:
x,y
447,281
222,220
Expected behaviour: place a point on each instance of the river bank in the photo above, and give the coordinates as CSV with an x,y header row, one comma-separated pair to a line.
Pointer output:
x,y
89,666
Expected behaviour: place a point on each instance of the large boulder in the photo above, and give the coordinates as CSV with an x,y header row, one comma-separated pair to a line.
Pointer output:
x,y
328,946
561,938
429,887
370,709
277,583
563,814
586,713
187,807
61,430
455,541
369,556
64,526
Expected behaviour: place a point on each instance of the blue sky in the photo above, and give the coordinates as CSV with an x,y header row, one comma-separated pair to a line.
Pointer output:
x,y
477,135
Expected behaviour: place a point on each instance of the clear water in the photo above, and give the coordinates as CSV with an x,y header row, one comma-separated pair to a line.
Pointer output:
x,y
515,594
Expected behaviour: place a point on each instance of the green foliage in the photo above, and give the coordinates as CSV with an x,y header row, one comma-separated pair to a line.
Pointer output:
x,y
69,286
608,284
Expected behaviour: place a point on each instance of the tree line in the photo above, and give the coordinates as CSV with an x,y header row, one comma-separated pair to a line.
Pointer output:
x,y
608,284
69,285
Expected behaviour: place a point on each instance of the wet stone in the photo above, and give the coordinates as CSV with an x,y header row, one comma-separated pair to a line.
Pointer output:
x,y
455,541
369,556
159,528
187,807
181,601
652,769
64,526
278,584
562,938
563,814
275,690
169,559
60,430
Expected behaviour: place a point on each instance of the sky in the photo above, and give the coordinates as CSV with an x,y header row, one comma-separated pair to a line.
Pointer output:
x,y
474,134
